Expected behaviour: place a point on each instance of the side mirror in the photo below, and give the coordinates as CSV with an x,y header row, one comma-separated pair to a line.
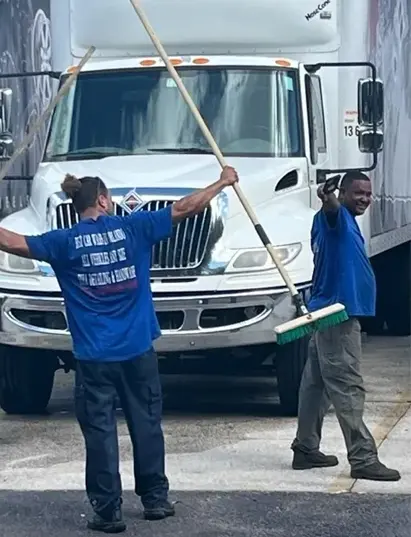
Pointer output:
x,y
370,115
6,147
370,141
6,98
6,139
370,102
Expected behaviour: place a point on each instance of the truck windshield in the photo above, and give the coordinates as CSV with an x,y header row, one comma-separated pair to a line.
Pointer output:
x,y
251,112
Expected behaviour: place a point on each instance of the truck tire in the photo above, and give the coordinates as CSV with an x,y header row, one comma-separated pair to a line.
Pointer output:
x,y
397,307
374,326
290,363
26,380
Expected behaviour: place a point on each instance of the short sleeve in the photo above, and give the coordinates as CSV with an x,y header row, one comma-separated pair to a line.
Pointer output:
x,y
153,226
50,247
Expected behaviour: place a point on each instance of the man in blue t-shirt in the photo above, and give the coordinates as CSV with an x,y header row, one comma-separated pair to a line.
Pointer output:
x,y
103,268
342,273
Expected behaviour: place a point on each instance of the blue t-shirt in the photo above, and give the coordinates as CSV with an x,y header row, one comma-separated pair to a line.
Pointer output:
x,y
103,268
342,270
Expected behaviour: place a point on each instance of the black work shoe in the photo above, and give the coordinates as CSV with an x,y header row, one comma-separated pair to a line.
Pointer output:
x,y
113,525
376,472
160,511
314,459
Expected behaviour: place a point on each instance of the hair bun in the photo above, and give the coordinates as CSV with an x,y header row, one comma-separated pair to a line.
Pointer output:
x,y
71,185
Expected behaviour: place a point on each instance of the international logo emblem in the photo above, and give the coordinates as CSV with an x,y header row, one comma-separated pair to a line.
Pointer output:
x,y
132,202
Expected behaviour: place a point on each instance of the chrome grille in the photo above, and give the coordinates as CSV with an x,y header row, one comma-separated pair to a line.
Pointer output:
x,y
184,250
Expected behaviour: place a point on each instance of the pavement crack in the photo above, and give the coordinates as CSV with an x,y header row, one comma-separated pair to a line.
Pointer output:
x,y
382,431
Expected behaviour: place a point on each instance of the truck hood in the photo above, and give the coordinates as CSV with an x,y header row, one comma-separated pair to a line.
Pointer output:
x,y
258,180
285,215
258,176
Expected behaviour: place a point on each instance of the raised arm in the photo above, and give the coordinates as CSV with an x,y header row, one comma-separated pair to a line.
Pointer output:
x,y
195,203
330,201
331,206
155,226
13,243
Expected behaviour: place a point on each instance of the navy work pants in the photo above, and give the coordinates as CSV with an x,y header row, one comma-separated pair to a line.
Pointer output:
x,y
137,384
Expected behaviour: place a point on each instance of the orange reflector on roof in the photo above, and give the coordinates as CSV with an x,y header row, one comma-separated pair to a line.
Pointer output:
x,y
176,61
283,63
200,61
147,63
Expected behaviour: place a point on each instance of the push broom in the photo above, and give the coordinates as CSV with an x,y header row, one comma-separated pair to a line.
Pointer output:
x,y
306,322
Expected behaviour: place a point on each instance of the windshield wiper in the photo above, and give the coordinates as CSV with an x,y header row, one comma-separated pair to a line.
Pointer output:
x,y
199,150
104,153
89,154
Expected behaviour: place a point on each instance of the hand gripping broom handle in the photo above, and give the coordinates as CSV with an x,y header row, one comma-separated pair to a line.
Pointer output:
x,y
43,118
209,137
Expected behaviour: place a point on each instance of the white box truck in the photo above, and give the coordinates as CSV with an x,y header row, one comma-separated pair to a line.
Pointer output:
x,y
286,89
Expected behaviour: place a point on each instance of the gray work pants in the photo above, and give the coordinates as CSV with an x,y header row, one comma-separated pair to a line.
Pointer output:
x,y
332,375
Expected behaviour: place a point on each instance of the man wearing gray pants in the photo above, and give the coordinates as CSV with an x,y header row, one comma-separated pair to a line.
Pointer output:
x,y
342,273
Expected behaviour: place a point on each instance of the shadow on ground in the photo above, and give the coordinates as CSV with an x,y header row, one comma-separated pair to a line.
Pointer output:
x,y
213,514
186,396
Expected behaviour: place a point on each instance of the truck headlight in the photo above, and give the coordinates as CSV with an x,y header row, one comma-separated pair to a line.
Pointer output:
x,y
17,265
258,259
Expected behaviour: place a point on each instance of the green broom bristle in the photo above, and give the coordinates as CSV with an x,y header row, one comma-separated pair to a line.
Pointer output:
x,y
308,329
331,320
295,333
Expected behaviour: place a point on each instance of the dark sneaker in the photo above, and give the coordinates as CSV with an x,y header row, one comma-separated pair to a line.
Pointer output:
x,y
376,472
314,459
159,512
113,525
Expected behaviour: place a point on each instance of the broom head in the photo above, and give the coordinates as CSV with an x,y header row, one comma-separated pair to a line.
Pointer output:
x,y
308,324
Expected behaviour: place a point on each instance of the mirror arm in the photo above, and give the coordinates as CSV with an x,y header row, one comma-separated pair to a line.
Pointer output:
x,y
314,68
322,173
52,74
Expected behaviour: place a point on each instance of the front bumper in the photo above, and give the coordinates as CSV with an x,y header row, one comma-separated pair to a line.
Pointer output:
x,y
189,323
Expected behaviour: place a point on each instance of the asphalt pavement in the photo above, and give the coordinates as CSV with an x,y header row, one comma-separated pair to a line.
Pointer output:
x,y
228,461
214,514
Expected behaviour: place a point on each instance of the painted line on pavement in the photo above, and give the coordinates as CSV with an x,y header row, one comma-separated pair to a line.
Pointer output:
x,y
383,429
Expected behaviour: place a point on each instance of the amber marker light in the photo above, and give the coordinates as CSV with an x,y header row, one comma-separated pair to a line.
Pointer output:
x,y
201,61
283,63
147,63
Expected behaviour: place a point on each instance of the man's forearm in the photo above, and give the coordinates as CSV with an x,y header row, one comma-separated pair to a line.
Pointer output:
x,y
13,243
330,203
195,203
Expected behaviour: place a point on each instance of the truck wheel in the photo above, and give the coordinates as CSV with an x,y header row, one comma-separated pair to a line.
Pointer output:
x,y
398,300
26,380
398,317
374,326
290,362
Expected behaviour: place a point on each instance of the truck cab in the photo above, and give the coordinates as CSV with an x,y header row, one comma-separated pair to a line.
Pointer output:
x,y
271,84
